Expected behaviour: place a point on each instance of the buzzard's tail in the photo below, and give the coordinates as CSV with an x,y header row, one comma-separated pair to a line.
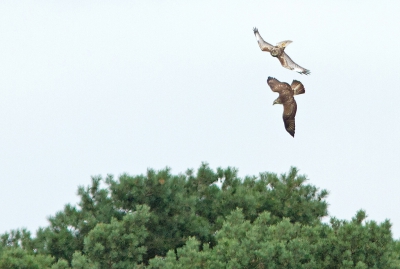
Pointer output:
x,y
297,87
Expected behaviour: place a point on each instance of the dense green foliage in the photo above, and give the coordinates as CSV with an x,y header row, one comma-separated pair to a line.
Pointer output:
x,y
160,220
242,244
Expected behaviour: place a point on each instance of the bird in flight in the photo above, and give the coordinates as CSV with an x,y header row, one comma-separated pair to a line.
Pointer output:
x,y
279,52
286,98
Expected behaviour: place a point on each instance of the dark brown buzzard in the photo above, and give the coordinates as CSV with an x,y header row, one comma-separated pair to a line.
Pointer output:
x,y
279,52
286,98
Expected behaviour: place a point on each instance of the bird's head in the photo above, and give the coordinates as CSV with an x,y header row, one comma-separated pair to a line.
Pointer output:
x,y
277,101
275,52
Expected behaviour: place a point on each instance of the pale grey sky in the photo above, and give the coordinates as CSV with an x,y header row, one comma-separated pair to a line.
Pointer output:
x,y
100,87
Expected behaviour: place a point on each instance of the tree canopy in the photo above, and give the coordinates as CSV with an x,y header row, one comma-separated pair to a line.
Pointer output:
x,y
203,219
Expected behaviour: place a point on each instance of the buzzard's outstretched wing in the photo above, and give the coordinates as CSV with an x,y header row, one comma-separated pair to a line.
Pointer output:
x,y
289,112
277,86
284,44
289,64
297,87
290,126
264,46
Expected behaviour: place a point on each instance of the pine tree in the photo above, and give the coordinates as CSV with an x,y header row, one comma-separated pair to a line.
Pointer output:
x,y
160,220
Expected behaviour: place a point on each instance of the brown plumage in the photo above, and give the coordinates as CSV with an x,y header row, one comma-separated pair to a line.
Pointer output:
x,y
286,98
278,51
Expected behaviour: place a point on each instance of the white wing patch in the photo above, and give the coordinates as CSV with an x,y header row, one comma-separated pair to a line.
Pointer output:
x,y
283,44
290,64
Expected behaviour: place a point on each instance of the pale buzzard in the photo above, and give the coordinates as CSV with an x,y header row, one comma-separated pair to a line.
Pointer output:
x,y
279,52
286,98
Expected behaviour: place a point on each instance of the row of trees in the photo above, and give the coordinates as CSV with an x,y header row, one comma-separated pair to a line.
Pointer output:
x,y
160,220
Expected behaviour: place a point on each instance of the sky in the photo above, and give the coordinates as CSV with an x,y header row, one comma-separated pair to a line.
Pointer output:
x,y
111,87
